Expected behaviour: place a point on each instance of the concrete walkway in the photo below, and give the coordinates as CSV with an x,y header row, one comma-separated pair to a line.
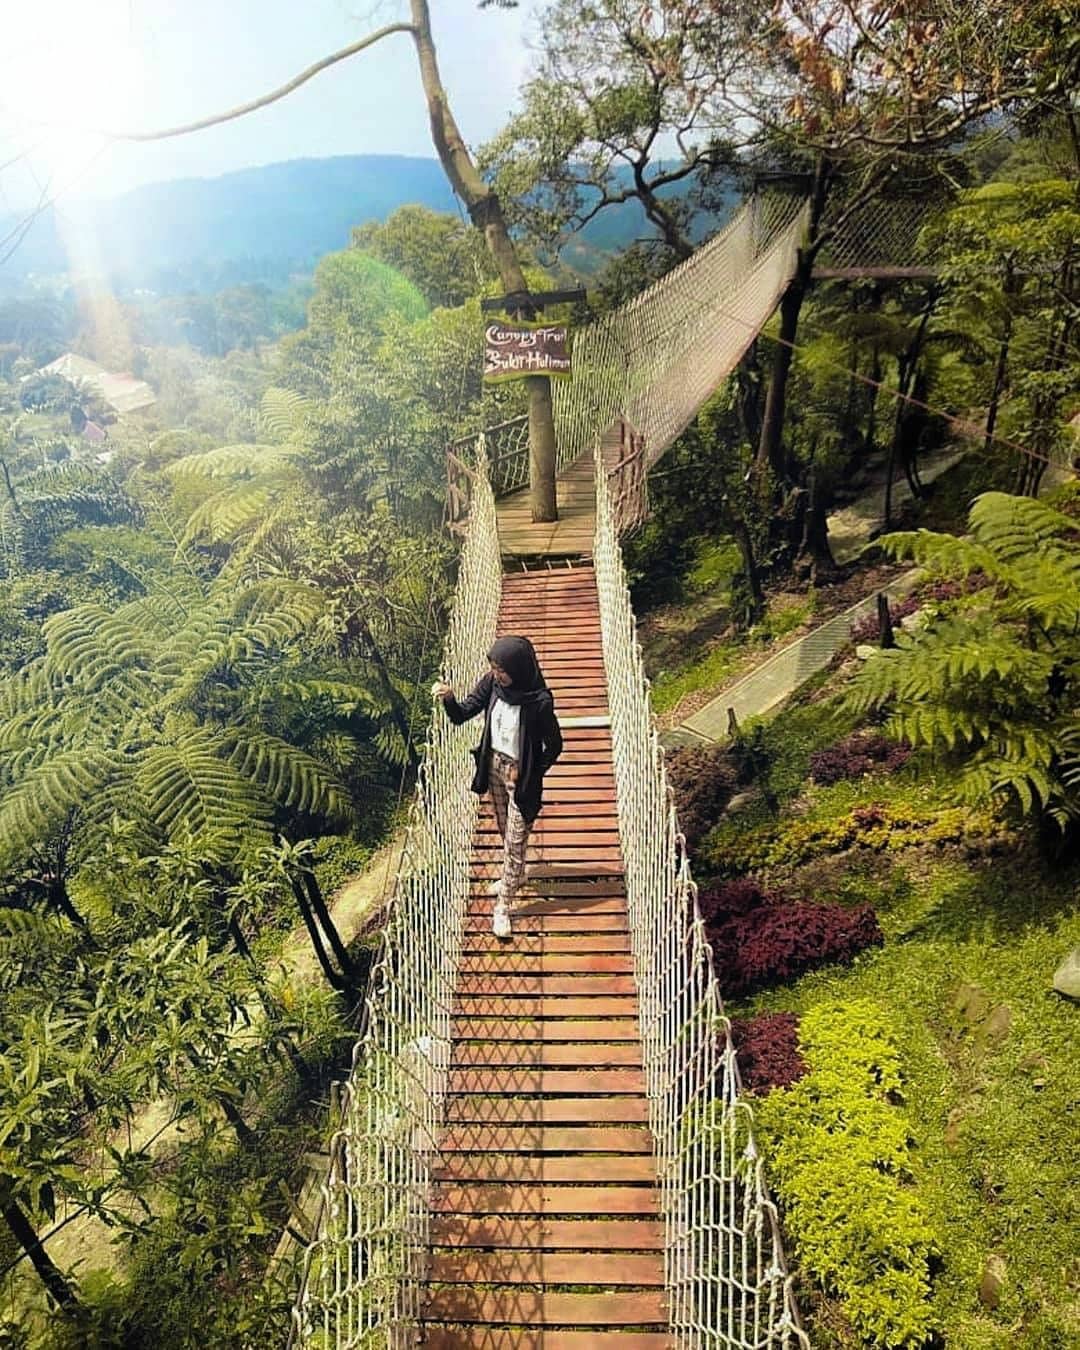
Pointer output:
x,y
852,528
770,684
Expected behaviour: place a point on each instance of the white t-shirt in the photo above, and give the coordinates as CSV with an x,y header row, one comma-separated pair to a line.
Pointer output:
x,y
506,728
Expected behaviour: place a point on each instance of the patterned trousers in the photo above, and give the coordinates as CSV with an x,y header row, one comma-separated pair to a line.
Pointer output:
x,y
513,826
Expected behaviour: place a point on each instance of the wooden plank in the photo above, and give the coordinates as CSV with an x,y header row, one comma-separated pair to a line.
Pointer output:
x,y
547,1110
459,1337
583,1081
546,1139
515,986
496,1005
547,1234
535,943
457,1304
498,1197
501,1267
504,1171
549,1029
528,1053
518,962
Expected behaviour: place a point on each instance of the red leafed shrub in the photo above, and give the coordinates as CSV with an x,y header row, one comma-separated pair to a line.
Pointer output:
x,y
945,588
855,755
768,1050
702,782
869,630
776,942
723,900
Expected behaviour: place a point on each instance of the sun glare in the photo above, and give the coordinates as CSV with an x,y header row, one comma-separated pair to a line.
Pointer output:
x,y
68,70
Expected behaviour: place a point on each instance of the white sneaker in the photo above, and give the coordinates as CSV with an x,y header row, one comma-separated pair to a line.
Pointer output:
x,y
500,919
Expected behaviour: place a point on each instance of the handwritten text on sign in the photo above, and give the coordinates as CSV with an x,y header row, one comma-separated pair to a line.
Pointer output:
x,y
513,350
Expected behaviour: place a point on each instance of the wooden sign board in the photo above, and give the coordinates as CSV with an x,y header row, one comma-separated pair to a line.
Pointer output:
x,y
514,349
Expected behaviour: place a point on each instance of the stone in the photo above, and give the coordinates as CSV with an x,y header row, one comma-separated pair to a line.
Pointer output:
x,y
995,1028
911,623
971,1003
864,651
952,1128
741,802
993,1280
1067,975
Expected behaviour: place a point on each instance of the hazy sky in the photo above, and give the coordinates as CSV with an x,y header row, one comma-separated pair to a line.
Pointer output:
x,y
144,64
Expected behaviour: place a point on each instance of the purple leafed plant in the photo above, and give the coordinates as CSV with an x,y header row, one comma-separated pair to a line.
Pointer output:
x,y
768,1050
862,752
776,942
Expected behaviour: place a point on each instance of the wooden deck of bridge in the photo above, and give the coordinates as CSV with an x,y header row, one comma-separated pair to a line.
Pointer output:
x,y
571,536
546,1231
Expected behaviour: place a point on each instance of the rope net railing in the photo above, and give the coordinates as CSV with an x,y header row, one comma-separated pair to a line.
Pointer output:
x,y
880,234
362,1275
726,1277
657,358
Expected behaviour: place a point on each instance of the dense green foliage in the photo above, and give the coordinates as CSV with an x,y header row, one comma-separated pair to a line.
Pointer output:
x,y
841,1160
990,681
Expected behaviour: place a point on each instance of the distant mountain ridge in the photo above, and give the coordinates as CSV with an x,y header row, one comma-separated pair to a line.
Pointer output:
x,y
255,224
258,224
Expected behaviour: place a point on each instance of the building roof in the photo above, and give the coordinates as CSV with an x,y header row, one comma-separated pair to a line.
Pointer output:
x,y
122,392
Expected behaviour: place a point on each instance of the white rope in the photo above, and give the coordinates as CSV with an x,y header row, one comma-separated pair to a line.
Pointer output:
x,y
726,1278
654,360
363,1272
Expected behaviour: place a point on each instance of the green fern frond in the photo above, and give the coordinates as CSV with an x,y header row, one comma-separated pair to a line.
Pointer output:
x,y
287,775
44,797
1014,527
190,786
282,413
231,461
88,645
229,514
26,689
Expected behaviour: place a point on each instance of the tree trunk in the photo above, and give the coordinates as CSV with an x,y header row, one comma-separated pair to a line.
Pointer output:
x,y
397,712
244,1133
770,449
814,548
741,531
326,923
485,211
333,978
1009,289
22,1230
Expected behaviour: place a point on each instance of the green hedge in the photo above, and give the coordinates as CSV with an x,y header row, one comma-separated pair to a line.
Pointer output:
x,y
839,1152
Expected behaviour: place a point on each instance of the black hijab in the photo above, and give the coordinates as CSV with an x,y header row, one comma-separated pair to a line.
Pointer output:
x,y
517,656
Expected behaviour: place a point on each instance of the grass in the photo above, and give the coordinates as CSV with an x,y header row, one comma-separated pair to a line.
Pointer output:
x,y
991,1087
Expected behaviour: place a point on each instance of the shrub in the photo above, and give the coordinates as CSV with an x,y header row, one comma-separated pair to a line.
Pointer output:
x,y
720,901
702,782
768,1050
839,1156
868,629
858,754
776,942
876,826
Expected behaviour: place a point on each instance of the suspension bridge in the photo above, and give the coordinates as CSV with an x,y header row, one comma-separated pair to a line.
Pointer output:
x,y
544,1143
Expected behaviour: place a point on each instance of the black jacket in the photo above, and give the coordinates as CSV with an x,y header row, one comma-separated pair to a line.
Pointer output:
x,y
541,742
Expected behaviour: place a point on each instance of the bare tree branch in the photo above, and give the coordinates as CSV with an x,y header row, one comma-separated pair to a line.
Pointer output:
x,y
256,103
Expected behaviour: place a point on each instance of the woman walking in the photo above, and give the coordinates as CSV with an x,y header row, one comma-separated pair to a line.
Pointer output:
x,y
521,741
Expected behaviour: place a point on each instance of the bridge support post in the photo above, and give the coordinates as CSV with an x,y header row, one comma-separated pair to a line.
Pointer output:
x,y
541,450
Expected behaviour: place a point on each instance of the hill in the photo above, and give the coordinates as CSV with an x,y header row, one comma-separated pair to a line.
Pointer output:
x,y
259,224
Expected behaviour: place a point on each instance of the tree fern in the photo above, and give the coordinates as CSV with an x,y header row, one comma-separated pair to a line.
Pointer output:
x,y
44,796
285,774
191,787
993,682
282,413
247,460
